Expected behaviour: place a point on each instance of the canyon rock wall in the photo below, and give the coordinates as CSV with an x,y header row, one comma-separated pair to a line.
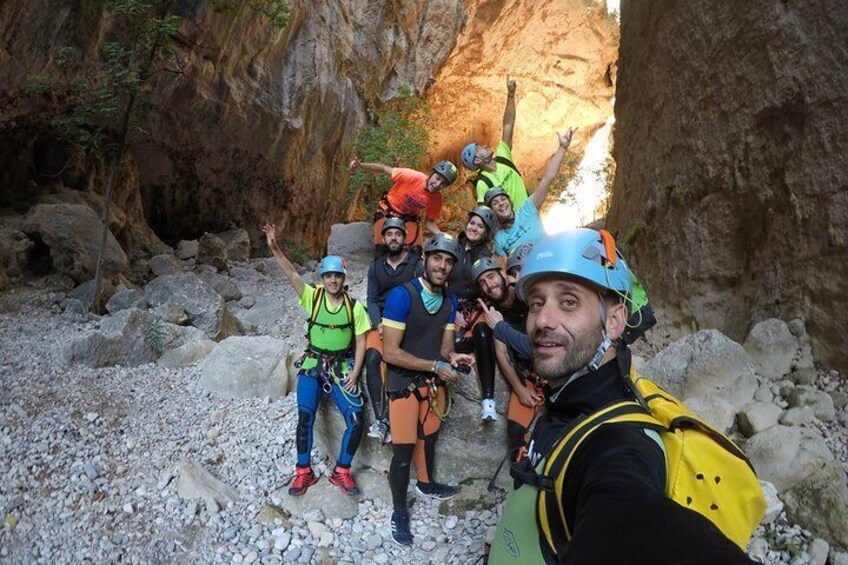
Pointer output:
x,y
731,194
256,124
562,53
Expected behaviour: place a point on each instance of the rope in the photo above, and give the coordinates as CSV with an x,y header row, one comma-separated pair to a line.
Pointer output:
x,y
355,399
434,406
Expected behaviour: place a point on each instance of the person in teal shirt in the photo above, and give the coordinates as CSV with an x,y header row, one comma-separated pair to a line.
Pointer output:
x,y
496,168
525,224
331,364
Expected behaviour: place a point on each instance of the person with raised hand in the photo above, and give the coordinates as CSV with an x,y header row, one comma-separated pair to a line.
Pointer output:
x,y
496,167
522,223
412,192
330,365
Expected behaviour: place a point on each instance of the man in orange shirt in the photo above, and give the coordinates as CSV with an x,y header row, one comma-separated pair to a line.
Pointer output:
x,y
412,192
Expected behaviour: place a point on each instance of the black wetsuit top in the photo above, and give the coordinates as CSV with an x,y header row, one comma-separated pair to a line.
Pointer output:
x,y
460,281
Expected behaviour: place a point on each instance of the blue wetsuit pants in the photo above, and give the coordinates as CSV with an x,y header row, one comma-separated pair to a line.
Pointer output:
x,y
310,389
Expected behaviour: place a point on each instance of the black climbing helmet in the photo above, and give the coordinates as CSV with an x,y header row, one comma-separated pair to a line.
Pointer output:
x,y
516,258
483,265
490,219
396,223
443,242
446,169
493,193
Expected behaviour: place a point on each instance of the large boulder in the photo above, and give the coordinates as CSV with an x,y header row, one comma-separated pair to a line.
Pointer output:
x,y
455,462
188,353
756,417
354,241
705,365
187,249
243,367
15,250
713,409
223,285
785,455
819,503
329,498
124,298
205,308
820,401
164,264
236,245
85,292
772,347
211,250
130,337
72,233
196,482
267,312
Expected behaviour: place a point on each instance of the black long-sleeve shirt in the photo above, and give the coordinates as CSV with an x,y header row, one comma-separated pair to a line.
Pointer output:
x,y
382,277
614,494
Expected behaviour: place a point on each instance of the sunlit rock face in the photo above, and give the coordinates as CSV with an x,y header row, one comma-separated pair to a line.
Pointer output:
x,y
561,52
258,122
731,193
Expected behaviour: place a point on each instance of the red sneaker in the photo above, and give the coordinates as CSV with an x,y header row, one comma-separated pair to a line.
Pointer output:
x,y
303,479
342,478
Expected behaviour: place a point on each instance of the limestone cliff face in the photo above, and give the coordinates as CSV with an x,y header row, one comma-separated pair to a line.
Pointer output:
x,y
562,53
258,122
731,193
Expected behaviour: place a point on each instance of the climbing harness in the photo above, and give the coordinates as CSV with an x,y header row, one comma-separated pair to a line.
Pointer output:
x,y
327,371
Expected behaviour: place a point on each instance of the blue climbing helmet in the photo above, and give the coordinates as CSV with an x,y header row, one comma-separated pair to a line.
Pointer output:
x,y
446,169
583,253
332,264
468,154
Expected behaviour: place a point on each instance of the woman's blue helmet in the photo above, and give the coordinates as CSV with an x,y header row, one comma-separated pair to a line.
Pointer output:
x,y
582,253
332,264
468,155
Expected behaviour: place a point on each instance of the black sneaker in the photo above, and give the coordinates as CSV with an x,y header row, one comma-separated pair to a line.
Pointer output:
x,y
436,490
400,528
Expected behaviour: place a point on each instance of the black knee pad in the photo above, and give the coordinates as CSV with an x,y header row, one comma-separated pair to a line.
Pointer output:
x,y
484,350
304,423
373,358
430,453
402,453
354,424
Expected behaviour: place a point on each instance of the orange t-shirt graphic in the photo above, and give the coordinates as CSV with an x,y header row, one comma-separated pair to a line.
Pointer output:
x,y
409,195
